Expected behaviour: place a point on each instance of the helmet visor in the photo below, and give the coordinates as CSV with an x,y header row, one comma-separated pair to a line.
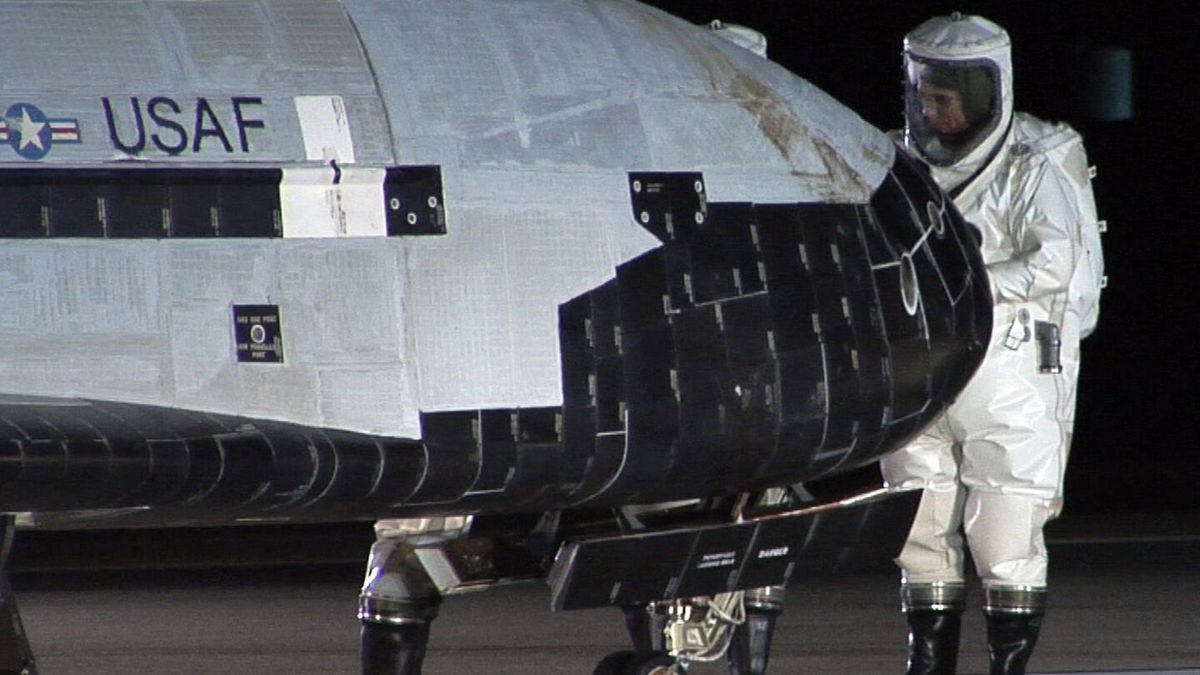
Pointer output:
x,y
950,107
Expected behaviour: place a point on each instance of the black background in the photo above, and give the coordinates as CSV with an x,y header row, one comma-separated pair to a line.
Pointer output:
x,y
1136,433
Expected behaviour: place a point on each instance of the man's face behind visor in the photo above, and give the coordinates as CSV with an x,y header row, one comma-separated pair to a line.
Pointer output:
x,y
942,109
950,108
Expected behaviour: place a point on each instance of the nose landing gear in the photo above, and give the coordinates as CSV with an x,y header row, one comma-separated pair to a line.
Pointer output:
x,y
736,626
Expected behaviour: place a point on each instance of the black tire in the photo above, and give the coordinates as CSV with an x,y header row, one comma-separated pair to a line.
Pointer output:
x,y
615,663
648,663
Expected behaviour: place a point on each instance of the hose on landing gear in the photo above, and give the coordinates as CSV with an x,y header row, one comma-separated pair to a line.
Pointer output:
x,y
701,629
737,626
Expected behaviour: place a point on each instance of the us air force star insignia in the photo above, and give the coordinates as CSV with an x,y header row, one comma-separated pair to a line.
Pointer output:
x,y
27,129
31,132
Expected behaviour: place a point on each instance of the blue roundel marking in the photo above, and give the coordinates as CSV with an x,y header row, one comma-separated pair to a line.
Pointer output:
x,y
29,131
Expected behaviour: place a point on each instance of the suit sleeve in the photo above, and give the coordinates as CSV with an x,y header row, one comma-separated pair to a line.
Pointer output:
x,y
1044,222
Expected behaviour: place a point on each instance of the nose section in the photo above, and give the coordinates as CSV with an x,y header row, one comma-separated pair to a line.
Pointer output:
x,y
939,341
766,344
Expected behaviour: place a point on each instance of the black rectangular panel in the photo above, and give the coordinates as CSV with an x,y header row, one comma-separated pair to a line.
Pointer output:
x,y
803,391
910,365
747,323
724,257
610,395
773,555
24,210
258,333
497,450
538,471
539,425
642,289
649,355
575,348
620,570
793,312
698,337
453,449
605,462
780,241
833,320
579,432
751,400
355,471
413,201
901,324
77,208
717,558
678,261
195,207
669,205
138,205
705,560
820,230
249,203
702,417
652,428
604,326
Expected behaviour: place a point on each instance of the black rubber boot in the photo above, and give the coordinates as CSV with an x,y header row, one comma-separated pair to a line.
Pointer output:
x,y
1011,639
389,649
933,638
934,615
1014,619
750,648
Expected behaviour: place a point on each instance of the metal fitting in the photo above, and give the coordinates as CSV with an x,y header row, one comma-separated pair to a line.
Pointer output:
x,y
397,589
941,596
1014,600
394,612
765,599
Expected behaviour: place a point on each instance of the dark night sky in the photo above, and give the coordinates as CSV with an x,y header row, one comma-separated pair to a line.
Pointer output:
x,y
1137,430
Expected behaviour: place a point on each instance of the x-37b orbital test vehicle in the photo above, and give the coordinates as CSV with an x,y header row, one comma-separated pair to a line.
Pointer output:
x,y
567,289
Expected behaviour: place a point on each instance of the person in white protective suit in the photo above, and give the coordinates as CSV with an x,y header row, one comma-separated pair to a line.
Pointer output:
x,y
992,465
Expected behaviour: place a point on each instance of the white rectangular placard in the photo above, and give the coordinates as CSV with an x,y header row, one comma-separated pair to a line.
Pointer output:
x,y
325,127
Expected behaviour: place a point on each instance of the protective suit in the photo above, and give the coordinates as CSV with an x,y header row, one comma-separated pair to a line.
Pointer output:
x,y
992,466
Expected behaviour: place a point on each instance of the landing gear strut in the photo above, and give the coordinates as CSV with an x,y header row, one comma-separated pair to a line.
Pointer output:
x,y
667,636
750,647
738,626
16,658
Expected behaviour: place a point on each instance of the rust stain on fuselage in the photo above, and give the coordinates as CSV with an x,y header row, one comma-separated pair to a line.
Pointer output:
x,y
777,119
780,123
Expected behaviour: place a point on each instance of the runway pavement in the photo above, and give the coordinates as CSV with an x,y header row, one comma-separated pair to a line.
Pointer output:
x,y
1133,605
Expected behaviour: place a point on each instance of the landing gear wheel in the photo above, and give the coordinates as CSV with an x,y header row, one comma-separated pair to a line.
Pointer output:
x,y
633,663
654,663
615,663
